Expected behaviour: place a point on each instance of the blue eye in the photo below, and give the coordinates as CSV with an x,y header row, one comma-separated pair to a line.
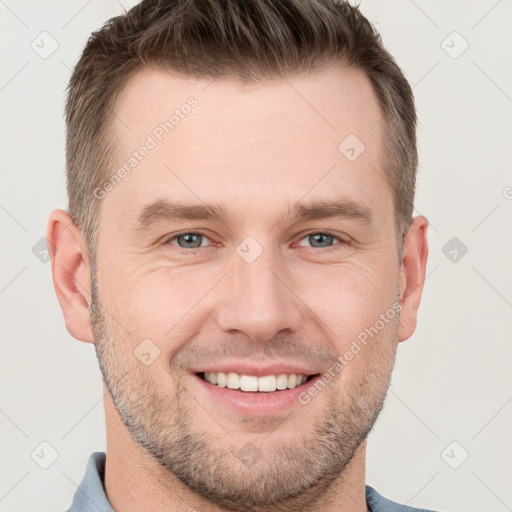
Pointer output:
x,y
195,240
322,240
188,240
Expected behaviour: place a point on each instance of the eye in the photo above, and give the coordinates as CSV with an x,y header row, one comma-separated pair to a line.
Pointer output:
x,y
322,239
188,240
196,240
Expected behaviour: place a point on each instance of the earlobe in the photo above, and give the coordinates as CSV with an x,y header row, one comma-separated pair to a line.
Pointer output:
x,y
71,273
412,275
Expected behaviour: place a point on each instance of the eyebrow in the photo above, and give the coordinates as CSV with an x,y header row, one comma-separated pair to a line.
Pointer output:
x,y
166,211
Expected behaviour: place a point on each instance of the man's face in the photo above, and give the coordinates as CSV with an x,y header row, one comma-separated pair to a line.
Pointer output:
x,y
261,292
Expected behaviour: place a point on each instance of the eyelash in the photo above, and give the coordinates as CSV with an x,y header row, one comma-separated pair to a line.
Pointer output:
x,y
193,249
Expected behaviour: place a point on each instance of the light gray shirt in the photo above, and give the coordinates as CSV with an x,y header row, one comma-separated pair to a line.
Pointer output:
x,y
90,495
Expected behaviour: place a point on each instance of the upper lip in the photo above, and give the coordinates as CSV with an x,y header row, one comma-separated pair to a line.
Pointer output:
x,y
257,370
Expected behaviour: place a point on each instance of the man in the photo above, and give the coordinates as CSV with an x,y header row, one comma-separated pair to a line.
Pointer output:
x,y
240,250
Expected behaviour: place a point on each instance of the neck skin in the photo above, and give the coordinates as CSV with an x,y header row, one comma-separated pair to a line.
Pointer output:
x,y
135,482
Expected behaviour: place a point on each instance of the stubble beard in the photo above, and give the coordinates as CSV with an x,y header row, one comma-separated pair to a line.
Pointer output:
x,y
286,475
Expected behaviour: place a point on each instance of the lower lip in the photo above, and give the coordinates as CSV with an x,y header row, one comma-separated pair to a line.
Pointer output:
x,y
255,403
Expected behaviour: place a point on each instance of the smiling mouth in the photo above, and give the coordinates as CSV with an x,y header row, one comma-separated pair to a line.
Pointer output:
x,y
253,384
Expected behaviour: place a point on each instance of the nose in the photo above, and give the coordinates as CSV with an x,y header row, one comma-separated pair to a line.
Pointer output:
x,y
258,299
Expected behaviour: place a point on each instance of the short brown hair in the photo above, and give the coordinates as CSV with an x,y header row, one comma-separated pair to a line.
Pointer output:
x,y
244,40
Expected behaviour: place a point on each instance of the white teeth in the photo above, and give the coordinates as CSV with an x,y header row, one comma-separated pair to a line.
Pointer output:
x,y
292,381
267,383
282,381
233,380
248,383
221,379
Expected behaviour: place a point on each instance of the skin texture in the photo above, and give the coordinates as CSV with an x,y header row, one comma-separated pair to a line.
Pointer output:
x,y
257,151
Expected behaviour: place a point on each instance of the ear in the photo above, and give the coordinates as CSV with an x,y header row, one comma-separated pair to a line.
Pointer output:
x,y
412,275
71,273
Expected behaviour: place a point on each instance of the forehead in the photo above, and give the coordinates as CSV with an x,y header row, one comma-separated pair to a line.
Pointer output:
x,y
332,103
314,136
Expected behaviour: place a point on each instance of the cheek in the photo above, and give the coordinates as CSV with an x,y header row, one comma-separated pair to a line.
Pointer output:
x,y
349,298
163,303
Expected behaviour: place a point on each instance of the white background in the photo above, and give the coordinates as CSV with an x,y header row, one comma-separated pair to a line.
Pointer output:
x,y
452,381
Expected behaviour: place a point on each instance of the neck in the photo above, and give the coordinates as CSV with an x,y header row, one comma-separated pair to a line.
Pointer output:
x,y
135,482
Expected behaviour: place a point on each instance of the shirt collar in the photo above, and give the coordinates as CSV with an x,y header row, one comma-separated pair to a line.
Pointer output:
x,y
90,495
